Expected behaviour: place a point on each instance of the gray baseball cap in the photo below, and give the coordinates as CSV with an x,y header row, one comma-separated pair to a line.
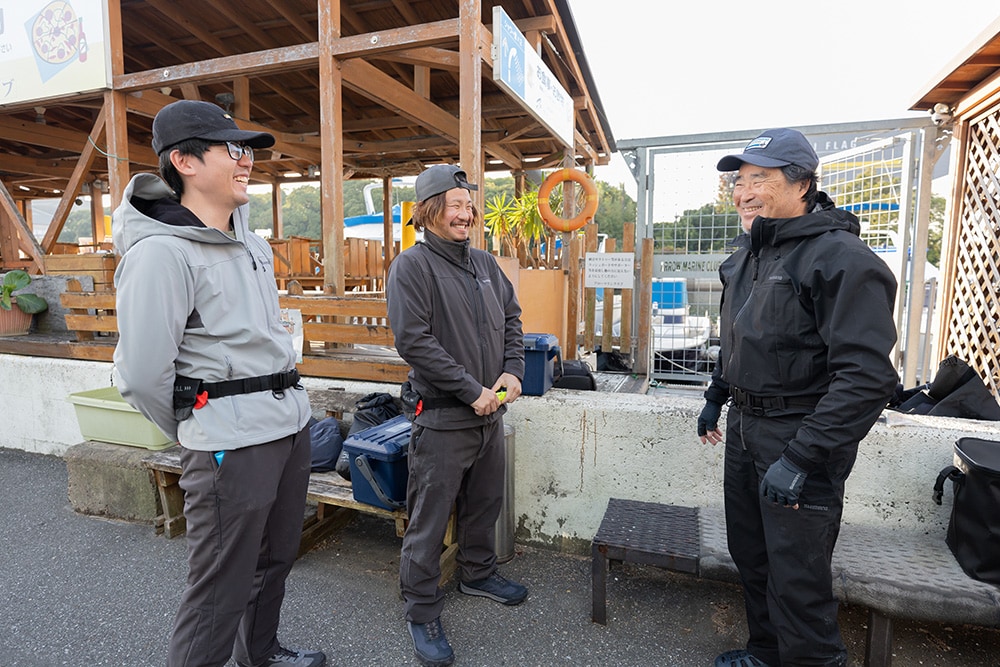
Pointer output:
x,y
779,147
441,178
194,119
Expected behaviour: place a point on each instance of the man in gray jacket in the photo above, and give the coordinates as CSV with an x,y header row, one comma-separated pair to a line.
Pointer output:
x,y
203,354
457,323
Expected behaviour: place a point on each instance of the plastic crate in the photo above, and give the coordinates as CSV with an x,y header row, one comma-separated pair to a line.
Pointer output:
x,y
382,449
540,353
105,416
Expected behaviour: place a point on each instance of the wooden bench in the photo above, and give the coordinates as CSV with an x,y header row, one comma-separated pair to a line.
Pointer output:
x,y
345,336
333,496
895,573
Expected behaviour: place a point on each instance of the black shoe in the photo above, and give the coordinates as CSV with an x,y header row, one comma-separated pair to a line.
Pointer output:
x,y
293,657
430,644
496,588
738,658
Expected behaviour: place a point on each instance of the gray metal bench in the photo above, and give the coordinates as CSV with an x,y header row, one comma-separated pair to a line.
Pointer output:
x,y
896,574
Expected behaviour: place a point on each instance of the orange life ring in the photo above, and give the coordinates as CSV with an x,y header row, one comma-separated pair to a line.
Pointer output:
x,y
589,209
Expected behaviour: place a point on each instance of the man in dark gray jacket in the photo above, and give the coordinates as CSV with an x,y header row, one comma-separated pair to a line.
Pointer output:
x,y
806,331
457,323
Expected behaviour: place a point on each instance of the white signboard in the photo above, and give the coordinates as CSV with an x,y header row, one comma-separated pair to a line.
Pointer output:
x,y
51,48
610,269
519,70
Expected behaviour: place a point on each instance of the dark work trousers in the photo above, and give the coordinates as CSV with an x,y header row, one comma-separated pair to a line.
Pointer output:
x,y
244,524
784,555
464,469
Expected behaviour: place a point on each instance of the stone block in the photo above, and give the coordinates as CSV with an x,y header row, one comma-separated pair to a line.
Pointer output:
x,y
110,480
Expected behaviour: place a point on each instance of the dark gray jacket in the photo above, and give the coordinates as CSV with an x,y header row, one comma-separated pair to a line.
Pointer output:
x,y
457,323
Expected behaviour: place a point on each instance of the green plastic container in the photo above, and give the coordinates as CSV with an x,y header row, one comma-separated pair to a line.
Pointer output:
x,y
105,416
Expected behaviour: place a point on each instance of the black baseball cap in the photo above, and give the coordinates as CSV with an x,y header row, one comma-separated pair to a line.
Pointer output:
x,y
441,178
779,147
193,119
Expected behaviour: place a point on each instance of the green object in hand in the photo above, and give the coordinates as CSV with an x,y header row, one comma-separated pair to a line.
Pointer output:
x,y
502,395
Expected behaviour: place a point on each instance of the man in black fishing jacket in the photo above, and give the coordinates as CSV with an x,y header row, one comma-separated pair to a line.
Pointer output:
x,y
806,328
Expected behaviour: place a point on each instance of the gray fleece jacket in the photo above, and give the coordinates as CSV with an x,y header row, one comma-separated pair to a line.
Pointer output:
x,y
196,302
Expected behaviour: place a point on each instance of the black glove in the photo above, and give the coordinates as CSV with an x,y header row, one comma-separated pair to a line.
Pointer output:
x,y
783,482
708,420
715,397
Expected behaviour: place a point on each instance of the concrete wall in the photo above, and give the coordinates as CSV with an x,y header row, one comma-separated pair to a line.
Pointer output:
x,y
574,450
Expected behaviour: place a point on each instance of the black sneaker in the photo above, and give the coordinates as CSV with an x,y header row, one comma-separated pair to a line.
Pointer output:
x,y
496,588
293,657
430,644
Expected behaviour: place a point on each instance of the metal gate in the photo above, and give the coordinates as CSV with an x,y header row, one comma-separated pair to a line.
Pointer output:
x,y
881,171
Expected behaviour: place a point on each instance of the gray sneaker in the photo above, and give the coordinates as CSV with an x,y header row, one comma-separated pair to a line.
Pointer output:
x,y
293,657
496,588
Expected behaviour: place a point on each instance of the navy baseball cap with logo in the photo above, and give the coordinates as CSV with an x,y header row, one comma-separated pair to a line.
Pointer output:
x,y
441,178
775,148
193,119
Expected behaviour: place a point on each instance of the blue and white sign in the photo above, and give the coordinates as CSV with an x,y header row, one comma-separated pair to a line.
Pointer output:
x,y
519,70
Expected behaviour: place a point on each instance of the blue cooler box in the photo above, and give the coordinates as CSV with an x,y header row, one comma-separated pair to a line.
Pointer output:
x,y
378,463
540,352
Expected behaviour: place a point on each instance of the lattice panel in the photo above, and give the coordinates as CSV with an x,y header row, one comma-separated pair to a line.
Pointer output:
x,y
973,332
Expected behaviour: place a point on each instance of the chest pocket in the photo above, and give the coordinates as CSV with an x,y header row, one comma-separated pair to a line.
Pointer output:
x,y
494,315
797,347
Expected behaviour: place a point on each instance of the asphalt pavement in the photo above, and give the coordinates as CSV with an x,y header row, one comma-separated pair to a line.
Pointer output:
x,y
84,591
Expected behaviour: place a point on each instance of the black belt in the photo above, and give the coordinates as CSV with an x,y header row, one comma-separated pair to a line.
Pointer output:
x,y
744,399
438,402
275,382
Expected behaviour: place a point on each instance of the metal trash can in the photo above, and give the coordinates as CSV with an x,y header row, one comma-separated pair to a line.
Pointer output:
x,y
505,522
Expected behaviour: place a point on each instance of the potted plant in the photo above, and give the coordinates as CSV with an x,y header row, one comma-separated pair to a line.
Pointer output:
x,y
15,321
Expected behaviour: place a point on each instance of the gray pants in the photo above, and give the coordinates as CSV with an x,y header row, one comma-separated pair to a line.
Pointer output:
x,y
464,469
244,524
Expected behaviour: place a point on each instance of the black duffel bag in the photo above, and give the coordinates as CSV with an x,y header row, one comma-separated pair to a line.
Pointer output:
x,y
974,527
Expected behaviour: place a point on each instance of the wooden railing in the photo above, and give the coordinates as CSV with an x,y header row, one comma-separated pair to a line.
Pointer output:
x,y
345,337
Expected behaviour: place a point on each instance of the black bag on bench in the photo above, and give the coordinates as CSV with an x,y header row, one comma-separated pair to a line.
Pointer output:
x,y
974,527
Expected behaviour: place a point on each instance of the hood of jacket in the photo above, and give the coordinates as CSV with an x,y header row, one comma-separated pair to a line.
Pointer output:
x,y
825,217
149,208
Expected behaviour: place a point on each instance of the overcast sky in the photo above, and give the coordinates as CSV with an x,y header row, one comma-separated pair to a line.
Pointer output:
x,y
665,68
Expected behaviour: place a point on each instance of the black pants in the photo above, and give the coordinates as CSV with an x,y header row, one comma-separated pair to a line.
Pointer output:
x,y
784,555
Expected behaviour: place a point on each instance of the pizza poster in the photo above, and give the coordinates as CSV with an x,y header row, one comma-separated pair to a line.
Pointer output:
x,y
51,48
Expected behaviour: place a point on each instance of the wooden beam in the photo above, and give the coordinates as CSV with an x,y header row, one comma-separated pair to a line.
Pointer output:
x,y
290,58
429,56
25,235
379,87
80,172
35,166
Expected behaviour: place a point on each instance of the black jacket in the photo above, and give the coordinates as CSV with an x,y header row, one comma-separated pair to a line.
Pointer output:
x,y
807,312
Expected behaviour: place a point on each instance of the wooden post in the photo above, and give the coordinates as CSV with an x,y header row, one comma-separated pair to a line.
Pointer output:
x,y
607,334
277,217
470,98
331,106
628,245
640,364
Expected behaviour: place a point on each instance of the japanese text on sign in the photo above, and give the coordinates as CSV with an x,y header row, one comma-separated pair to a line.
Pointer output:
x,y
610,269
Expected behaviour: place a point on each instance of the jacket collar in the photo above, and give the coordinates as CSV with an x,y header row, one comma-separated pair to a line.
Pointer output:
x,y
456,252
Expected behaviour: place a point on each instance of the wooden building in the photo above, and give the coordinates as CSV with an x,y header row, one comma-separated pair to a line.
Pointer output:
x,y
350,88
966,95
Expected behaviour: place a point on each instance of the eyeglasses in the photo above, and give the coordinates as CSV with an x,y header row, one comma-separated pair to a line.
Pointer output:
x,y
237,151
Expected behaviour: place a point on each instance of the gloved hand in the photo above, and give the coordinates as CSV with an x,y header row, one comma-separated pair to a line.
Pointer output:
x,y
708,420
783,482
